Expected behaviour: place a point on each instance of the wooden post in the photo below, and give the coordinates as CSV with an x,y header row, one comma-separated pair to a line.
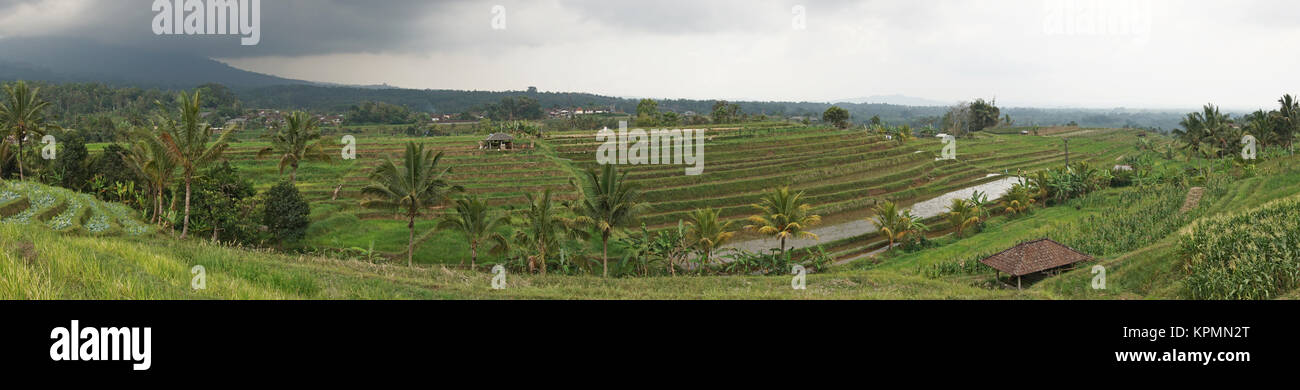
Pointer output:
x,y
1067,152
1017,283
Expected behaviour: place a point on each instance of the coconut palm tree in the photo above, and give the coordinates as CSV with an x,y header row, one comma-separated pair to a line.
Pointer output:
x,y
706,233
1290,118
784,214
889,222
1018,199
149,158
474,218
414,186
22,116
297,141
1208,131
544,228
187,143
1265,126
980,201
611,202
962,214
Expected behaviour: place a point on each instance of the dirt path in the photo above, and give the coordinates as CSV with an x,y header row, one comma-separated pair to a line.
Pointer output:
x,y
1193,199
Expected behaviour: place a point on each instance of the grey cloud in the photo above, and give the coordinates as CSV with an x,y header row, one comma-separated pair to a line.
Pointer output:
x,y
288,27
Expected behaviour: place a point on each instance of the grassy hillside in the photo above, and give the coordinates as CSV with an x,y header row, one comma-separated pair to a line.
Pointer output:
x,y
1137,241
1137,232
41,264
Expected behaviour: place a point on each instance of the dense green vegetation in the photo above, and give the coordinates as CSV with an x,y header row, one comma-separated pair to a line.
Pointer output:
x,y
180,192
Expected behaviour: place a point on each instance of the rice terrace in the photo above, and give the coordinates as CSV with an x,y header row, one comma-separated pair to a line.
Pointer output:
x,y
193,165
867,211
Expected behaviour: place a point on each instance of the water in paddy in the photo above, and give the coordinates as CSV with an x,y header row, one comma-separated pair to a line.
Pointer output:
x,y
925,209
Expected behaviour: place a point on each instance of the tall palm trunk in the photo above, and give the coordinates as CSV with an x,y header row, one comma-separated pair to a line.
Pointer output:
x,y
185,224
604,253
158,208
543,250
410,242
473,256
171,207
704,261
20,156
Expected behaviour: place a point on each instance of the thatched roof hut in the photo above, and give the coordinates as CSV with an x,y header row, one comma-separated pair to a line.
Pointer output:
x,y
1038,256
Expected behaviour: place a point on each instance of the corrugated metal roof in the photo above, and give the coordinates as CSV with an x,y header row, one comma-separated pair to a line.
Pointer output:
x,y
1034,256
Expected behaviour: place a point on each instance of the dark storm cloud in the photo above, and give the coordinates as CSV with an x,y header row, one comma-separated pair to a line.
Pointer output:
x,y
288,27
317,27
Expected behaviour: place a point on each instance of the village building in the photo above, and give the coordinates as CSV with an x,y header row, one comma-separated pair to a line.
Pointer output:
x,y
1034,258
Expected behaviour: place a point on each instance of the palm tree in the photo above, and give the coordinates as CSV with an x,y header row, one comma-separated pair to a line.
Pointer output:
x,y
784,215
6,154
474,218
610,203
706,233
543,227
889,222
1263,125
962,214
980,201
149,158
299,140
416,185
1017,199
23,116
1290,113
186,142
1207,127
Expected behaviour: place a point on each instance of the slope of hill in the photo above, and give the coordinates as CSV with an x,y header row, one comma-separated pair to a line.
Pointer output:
x,y
35,206
71,60
1132,231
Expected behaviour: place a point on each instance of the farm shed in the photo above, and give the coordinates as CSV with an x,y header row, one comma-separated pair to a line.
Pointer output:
x,y
501,141
1034,257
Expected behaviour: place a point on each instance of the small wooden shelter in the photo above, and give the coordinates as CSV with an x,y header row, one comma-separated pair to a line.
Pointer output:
x,y
500,141
1040,256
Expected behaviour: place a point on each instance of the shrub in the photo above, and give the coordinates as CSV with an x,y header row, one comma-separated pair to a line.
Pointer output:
x,y
217,204
286,213
112,168
71,163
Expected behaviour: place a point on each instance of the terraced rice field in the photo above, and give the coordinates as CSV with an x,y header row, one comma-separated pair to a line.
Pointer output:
x,y
844,172
65,211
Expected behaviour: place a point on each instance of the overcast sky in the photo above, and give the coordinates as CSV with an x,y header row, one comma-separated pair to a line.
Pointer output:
x,y
1131,53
